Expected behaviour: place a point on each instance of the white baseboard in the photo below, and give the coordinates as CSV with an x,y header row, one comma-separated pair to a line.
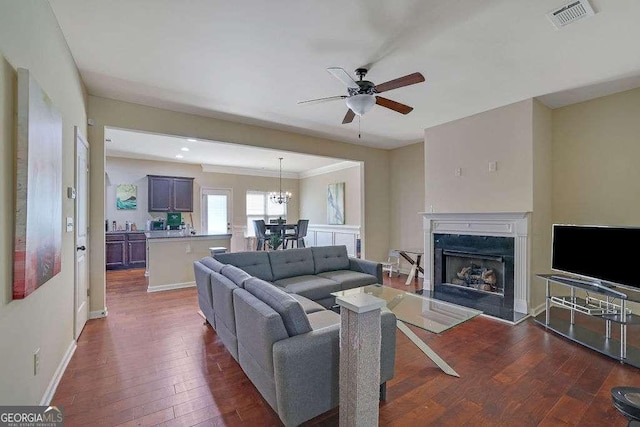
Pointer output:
x,y
171,286
539,309
98,314
57,376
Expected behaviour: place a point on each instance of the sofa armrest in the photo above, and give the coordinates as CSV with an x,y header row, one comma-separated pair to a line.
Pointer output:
x,y
306,373
364,266
307,369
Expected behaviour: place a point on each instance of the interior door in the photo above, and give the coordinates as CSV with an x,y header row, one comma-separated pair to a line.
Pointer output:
x,y
216,211
82,238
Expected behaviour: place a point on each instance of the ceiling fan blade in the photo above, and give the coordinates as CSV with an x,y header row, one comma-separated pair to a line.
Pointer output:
x,y
319,100
393,105
400,82
348,118
343,76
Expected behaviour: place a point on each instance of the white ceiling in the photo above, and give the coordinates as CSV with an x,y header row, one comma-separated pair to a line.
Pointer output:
x,y
215,156
252,61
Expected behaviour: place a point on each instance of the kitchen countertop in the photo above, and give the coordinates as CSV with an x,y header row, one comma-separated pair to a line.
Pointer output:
x,y
125,232
163,234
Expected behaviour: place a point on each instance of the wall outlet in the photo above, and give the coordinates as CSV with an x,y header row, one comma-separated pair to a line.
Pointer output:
x,y
36,362
188,248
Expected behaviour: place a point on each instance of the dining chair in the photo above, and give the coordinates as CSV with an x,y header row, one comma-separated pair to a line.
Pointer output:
x,y
392,264
299,235
260,229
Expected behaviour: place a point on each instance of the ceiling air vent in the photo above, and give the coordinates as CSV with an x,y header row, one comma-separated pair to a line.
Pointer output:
x,y
570,13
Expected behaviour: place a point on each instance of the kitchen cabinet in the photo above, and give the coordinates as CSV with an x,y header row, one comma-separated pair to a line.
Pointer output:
x,y
170,194
125,250
136,250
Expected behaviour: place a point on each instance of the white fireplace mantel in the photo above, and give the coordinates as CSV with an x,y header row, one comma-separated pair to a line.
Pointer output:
x,y
501,224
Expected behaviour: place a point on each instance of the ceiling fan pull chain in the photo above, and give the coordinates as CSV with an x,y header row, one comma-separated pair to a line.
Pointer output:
x,y
359,135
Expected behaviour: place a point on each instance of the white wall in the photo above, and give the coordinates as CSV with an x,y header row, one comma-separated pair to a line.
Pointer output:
x,y
313,194
30,38
133,171
503,135
112,113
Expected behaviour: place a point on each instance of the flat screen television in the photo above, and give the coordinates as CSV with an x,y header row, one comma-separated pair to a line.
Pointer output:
x,y
602,254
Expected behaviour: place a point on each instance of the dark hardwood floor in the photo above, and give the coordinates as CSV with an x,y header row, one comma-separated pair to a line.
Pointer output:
x,y
152,361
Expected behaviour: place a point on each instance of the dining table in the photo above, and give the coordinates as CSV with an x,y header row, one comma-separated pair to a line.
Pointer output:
x,y
281,229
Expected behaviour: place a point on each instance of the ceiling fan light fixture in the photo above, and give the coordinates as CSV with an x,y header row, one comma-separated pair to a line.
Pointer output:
x,y
361,103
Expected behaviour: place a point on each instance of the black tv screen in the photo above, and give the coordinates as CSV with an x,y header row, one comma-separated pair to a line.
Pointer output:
x,y
606,254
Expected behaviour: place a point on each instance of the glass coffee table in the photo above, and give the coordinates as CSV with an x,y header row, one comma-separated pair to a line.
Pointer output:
x,y
426,313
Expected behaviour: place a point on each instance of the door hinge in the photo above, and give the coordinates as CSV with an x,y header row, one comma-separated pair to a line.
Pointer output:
x,y
88,292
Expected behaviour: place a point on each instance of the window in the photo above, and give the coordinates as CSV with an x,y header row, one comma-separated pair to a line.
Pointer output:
x,y
216,211
260,207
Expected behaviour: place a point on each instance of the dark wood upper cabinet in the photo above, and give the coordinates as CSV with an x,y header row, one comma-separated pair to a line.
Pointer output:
x,y
170,194
183,194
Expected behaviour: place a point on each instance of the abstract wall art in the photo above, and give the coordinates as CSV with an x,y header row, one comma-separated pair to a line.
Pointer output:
x,y
38,222
126,196
335,203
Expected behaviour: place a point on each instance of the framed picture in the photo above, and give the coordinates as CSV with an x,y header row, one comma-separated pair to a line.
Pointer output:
x,y
335,203
38,226
126,196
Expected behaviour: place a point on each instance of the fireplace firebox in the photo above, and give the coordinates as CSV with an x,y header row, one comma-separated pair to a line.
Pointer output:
x,y
475,271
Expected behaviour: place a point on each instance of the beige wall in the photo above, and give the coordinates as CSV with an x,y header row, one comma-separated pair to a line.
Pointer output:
x,y
313,194
30,38
107,112
502,135
596,147
406,197
131,171
540,233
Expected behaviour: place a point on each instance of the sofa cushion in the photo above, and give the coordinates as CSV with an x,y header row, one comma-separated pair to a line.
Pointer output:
x,y
255,263
293,316
307,305
349,279
313,287
322,319
213,264
236,275
329,258
291,263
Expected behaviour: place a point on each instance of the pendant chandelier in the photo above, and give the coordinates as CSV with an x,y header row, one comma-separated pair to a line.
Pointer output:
x,y
280,197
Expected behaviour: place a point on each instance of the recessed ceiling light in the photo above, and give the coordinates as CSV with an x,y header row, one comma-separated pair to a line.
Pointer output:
x,y
179,156
184,149
192,140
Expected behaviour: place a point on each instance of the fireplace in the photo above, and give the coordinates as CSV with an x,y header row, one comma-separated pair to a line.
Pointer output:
x,y
475,271
479,261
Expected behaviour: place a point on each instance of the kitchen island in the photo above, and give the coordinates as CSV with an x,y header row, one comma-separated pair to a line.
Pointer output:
x,y
170,257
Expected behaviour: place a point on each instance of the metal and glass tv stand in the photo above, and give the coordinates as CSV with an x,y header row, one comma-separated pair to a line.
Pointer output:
x,y
596,301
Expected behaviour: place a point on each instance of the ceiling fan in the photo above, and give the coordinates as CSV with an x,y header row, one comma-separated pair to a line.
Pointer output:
x,y
363,93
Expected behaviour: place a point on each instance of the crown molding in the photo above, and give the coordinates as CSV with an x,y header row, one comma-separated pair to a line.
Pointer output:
x,y
234,170
328,169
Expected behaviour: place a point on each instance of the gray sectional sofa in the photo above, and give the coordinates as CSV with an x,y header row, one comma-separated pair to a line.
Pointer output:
x,y
287,343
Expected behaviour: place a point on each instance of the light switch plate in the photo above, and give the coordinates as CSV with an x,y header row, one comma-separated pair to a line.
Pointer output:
x,y
69,224
493,166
